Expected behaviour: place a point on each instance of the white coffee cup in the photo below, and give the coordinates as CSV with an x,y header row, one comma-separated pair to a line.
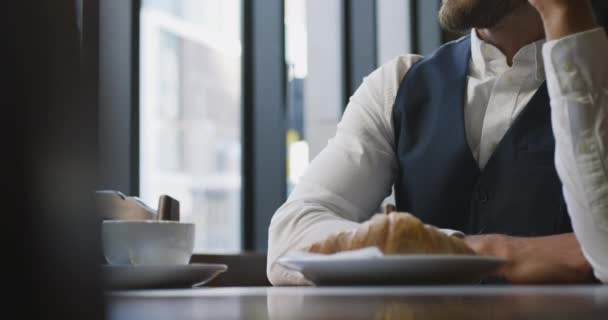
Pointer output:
x,y
147,242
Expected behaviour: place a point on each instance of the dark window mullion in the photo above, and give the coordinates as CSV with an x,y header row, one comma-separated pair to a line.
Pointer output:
x,y
360,29
414,26
264,122
118,95
135,72
427,32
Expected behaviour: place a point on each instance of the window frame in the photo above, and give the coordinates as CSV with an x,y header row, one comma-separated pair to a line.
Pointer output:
x,y
114,26
264,119
264,82
360,52
118,94
263,108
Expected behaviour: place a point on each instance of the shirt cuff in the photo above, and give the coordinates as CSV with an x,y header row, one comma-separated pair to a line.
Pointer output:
x,y
572,62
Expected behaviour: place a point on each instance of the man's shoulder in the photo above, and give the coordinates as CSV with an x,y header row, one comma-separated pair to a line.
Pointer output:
x,y
391,73
379,89
397,67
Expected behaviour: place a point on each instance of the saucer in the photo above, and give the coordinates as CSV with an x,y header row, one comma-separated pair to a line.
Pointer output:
x,y
121,277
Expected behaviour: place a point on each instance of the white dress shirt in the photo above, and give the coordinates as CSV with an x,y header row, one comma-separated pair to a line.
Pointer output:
x,y
348,180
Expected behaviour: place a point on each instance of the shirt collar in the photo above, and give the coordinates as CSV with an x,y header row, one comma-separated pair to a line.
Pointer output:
x,y
490,61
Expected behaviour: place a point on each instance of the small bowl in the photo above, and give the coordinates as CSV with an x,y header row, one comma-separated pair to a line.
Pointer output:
x,y
147,242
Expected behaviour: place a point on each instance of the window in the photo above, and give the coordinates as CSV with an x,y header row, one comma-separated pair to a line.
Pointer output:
x,y
394,27
314,57
215,81
330,47
190,114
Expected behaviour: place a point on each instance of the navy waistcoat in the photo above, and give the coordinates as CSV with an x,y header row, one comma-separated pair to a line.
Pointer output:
x,y
517,193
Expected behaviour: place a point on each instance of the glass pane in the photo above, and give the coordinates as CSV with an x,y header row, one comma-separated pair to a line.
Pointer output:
x,y
313,39
297,69
190,114
393,29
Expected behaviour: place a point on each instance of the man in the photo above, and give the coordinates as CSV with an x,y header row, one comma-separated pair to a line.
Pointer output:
x,y
502,133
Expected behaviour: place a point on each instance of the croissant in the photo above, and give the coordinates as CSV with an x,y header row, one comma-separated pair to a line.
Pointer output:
x,y
394,233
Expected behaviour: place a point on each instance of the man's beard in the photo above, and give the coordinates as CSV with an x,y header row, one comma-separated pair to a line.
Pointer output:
x,y
462,15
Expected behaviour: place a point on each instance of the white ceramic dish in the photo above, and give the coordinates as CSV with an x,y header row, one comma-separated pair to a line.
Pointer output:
x,y
158,277
147,242
394,269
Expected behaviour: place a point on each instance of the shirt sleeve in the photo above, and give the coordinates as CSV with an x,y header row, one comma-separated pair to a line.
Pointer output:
x,y
577,78
348,180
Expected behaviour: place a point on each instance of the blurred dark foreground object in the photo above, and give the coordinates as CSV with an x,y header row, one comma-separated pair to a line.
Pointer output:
x,y
600,8
51,124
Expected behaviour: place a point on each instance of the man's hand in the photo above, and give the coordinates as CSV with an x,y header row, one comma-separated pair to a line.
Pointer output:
x,y
562,18
550,259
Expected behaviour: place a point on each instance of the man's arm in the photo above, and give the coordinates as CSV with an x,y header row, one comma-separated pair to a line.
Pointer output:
x,y
346,183
577,76
576,59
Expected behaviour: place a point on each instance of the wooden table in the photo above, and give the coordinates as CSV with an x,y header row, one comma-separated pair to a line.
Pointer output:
x,y
471,302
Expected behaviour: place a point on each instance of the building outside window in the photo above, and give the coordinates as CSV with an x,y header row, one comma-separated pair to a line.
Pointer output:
x,y
314,58
190,114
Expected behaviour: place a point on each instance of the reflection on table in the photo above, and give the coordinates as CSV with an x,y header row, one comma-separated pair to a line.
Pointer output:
x,y
452,303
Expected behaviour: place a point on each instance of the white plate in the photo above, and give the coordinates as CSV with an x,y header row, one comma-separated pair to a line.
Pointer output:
x,y
394,269
156,277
